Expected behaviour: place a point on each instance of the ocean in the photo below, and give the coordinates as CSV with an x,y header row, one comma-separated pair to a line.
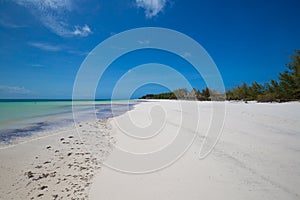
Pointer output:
x,y
23,118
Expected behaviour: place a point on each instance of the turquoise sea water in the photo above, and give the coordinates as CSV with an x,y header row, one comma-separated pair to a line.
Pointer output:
x,y
21,118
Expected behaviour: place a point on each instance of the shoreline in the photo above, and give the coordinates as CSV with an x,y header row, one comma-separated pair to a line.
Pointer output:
x,y
28,126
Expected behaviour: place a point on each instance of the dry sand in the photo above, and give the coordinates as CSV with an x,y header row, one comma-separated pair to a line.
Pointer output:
x,y
59,166
257,157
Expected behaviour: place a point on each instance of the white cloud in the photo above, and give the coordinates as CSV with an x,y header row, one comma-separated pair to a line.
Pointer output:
x,y
187,54
144,42
7,23
82,31
56,48
53,14
76,52
152,7
45,46
117,47
13,90
36,65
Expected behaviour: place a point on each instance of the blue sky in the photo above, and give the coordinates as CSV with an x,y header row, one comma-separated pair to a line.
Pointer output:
x,y
43,43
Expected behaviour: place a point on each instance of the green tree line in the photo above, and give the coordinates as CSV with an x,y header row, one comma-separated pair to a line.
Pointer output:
x,y
203,95
287,88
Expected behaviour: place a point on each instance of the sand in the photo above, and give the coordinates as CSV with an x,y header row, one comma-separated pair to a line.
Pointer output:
x,y
256,157
57,166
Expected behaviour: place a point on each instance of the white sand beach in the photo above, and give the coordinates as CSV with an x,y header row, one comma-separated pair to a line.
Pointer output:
x,y
256,157
58,166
